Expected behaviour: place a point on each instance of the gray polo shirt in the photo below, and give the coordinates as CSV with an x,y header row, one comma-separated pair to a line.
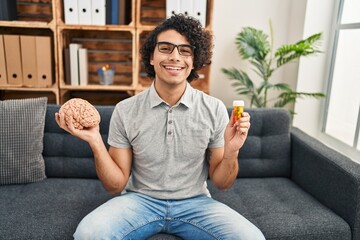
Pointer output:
x,y
169,142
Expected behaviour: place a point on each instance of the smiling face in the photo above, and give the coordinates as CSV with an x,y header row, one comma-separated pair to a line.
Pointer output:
x,y
171,69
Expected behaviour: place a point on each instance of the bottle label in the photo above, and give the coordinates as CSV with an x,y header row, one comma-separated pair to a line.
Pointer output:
x,y
238,110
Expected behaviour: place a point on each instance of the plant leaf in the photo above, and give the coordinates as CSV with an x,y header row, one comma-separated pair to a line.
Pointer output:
x,y
290,52
290,97
253,44
282,87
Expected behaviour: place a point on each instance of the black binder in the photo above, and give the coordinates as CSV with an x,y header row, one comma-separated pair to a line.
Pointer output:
x,y
8,10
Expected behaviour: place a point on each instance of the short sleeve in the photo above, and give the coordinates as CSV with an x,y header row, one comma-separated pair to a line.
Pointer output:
x,y
222,119
117,133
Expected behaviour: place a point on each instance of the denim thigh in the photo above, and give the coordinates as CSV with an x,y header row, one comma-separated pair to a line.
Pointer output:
x,y
129,216
137,216
205,218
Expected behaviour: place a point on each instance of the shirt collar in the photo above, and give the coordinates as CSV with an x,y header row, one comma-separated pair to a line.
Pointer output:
x,y
155,99
186,98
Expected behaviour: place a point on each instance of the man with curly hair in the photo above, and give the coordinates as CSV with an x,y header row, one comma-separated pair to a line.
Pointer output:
x,y
164,144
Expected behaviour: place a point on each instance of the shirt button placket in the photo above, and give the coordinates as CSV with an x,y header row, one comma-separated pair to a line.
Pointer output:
x,y
170,125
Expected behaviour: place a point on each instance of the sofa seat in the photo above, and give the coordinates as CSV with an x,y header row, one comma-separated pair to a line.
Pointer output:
x,y
282,210
291,186
50,209
275,205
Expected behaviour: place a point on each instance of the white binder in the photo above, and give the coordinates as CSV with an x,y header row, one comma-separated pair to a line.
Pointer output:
x,y
71,11
172,7
83,67
84,12
74,63
186,7
199,11
98,12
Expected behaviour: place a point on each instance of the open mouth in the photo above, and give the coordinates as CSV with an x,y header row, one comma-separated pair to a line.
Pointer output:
x,y
173,69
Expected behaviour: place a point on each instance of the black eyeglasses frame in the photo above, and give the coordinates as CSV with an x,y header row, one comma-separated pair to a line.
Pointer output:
x,y
176,46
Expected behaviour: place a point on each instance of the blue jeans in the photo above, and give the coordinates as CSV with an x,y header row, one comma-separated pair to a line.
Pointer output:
x,y
137,216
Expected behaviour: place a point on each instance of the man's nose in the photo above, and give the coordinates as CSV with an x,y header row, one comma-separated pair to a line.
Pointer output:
x,y
175,55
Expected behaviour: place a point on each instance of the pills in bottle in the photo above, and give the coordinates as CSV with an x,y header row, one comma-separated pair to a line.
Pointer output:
x,y
238,109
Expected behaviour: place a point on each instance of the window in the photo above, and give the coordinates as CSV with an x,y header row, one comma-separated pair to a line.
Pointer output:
x,y
342,116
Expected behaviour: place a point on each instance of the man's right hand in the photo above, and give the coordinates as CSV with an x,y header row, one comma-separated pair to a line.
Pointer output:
x,y
89,134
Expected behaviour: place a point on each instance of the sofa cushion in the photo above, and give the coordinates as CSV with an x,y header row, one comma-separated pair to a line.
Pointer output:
x,y
282,210
21,140
50,209
266,152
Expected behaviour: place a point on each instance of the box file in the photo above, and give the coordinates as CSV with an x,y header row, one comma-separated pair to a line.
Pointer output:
x,y
8,10
108,11
199,11
186,7
115,12
28,60
83,66
13,59
172,7
84,12
67,66
44,61
74,63
98,13
3,75
122,12
71,11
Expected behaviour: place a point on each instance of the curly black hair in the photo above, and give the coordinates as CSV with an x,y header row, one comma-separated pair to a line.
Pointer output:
x,y
190,28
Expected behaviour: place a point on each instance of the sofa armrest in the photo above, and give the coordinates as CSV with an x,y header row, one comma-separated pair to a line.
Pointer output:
x,y
330,177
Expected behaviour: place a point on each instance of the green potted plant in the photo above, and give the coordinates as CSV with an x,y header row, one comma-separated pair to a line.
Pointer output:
x,y
253,45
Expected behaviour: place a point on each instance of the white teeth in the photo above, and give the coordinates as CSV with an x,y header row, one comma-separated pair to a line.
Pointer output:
x,y
173,68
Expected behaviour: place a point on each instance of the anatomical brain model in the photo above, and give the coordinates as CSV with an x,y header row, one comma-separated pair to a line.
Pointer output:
x,y
81,113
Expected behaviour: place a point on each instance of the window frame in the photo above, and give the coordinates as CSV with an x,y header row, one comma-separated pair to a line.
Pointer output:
x,y
337,27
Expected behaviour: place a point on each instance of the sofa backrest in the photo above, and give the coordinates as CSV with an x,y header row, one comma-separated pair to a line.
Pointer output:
x,y
68,156
266,152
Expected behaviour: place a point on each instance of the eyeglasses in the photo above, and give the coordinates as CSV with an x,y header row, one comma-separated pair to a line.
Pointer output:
x,y
183,49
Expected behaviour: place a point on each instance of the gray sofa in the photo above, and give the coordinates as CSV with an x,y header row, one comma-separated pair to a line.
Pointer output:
x,y
289,185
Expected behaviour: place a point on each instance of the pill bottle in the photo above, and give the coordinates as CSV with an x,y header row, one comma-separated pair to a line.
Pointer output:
x,y
238,109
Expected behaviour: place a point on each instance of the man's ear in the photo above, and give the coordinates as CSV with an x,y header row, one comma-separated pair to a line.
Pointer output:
x,y
152,59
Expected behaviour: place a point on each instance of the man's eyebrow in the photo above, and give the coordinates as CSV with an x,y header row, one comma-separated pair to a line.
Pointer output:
x,y
181,44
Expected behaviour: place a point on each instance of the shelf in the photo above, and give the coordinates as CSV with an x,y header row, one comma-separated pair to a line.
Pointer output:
x,y
96,27
116,45
112,47
35,10
98,88
53,96
153,12
96,97
130,5
29,24
150,13
54,88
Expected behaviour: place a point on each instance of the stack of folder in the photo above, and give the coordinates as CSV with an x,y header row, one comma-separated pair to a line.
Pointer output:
x,y
97,12
76,65
25,61
193,8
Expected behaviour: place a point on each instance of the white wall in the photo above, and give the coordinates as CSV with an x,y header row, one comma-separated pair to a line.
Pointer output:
x,y
231,16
